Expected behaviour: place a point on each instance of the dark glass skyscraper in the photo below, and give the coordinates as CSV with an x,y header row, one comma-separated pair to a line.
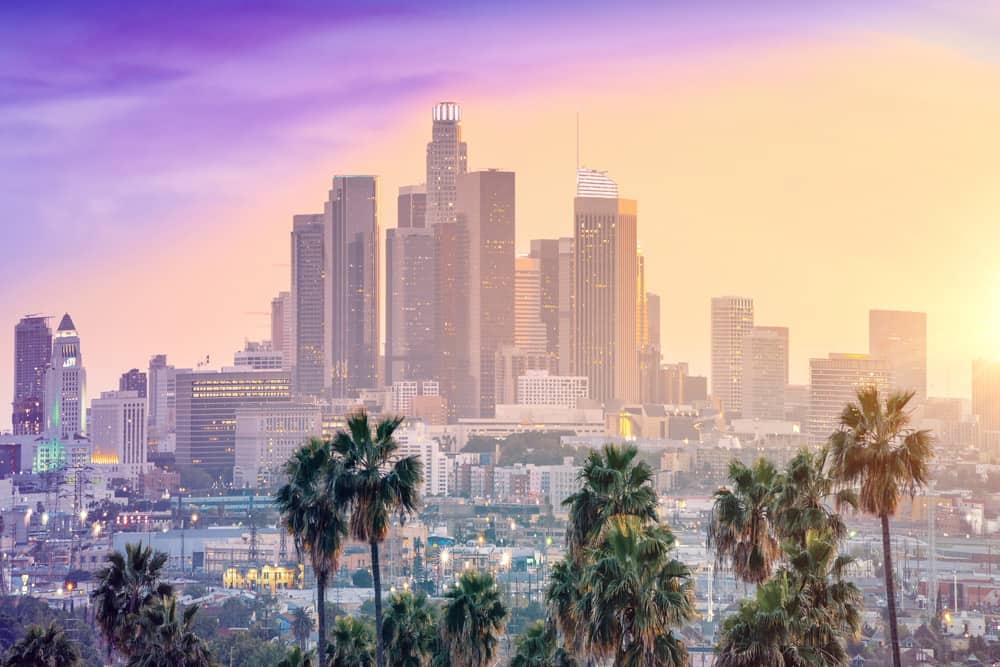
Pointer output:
x,y
133,380
32,351
308,287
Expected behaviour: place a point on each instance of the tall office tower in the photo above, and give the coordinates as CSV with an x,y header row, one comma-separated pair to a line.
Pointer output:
x,y
161,420
557,274
447,158
529,329
641,308
986,400
900,338
133,380
206,414
653,317
352,286
259,356
409,291
672,379
485,205
32,352
66,383
606,276
650,355
834,382
765,362
308,303
732,319
118,431
283,327
452,319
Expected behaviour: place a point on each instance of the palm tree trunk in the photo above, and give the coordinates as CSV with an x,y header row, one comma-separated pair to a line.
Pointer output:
x,y
377,581
890,589
321,617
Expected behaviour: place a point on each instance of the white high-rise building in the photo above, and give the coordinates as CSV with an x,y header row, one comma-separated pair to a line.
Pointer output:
x,y
765,364
834,382
66,383
414,440
259,357
283,327
447,158
161,413
266,436
537,387
404,391
118,432
732,319
530,334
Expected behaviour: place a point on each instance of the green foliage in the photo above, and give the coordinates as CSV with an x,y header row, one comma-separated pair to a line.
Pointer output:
x,y
247,650
362,578
18,614
302,626
296,657
165,638
40,646
409,630
473,619
352,643
538,646
234,613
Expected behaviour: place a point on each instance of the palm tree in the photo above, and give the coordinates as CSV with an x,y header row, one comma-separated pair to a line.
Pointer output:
x,y
313,518
376,484
352,643
613,482
636,593
42,647
758,634
875,449
125,586
409,630
165,638
297,658
563,597
742,527
473,620
537,647
302,626
802,498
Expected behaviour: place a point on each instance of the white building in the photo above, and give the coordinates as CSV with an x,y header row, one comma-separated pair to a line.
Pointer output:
x,y
538,387
765,373
834,382
530,334
404,391
732,319
534,418
266,436
118,432
259,357
66,384
415,440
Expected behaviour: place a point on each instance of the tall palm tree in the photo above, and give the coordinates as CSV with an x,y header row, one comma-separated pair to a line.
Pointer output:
x,y
42,647
313,518
297,658
352,643
302,626
613,482
563,598
473,619
742,527
166,638
409,630
636,593
375,484
537,647
875,450
802,500
759,633
125,586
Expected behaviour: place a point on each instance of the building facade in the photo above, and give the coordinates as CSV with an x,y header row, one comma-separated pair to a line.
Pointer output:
x,y
66,383
308,303
283,327
260,356
537,387
764,373
32,353
133,380
266,437
732,319
556,267
986,400
834,382
530,332
900,338
118,432
447,159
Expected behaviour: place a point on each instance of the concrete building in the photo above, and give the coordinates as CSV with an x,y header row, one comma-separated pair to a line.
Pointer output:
x,y
259,356
308,303
409,291
532,419
732,319
133,380
266,437
283,327
986,400
447,159
66,384
404,391
764,373
351,280
537,387
452,325
510,363
32,353
485,205
834,383
161,421
415,440
900,338
557,285
606,288
206,414
118,432
530,333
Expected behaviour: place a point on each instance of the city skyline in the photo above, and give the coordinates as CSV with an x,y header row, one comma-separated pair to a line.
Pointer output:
x,y
669,178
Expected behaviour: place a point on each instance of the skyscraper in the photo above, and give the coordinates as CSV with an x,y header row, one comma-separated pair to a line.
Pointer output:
x,y
118,431
606,276
452,319
900,338
558,287
653,319
283,328
161,420
986,398
66,384
32,352
833,383
409,291
765,364
352,296
308,289
530,333
447,159
485,206
133,380
732,319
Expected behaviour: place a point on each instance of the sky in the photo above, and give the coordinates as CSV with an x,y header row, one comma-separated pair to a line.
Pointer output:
x,y
823,158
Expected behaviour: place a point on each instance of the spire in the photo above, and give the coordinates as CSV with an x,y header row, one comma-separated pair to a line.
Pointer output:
x,y
66,323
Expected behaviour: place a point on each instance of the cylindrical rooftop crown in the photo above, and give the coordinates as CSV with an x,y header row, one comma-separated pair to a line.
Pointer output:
x,y
447,111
